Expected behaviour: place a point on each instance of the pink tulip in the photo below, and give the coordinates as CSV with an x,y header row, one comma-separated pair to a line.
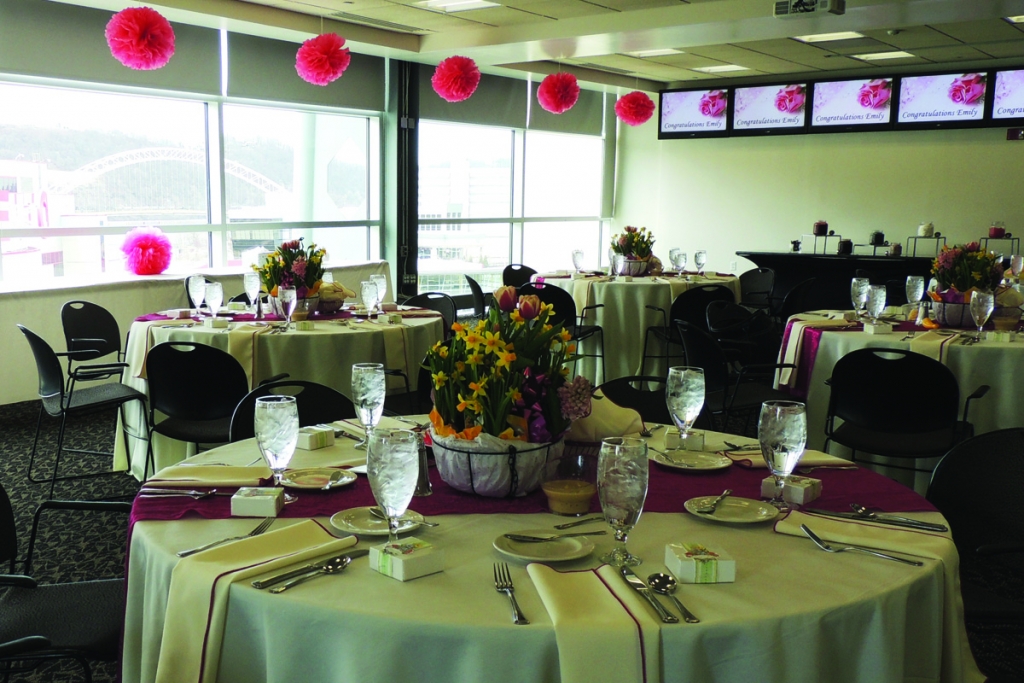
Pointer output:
x,y
506,298
529,306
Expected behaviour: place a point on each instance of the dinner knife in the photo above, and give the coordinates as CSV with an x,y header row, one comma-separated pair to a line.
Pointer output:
x,y
637,584
182,492
307,569
922,526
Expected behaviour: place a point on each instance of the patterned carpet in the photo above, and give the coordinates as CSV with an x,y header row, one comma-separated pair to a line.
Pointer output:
x,y
78,546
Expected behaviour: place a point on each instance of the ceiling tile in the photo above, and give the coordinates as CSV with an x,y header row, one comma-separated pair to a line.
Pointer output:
x,y
856,46
771,64
958,53
913,37
785,48
318,7
1009,48
506,16
990,30
632,5
421,18
685,61
562,9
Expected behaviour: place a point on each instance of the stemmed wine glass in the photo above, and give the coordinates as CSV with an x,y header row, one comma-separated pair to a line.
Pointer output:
x,y
214,296
393,467
915,288
678,261
684,394
982,305
368,388
622,487
1016,265
288,300
700,259
782,432
617,262
277,431
251,284
197,291
859,294
875,302
381,282
577,260
368,295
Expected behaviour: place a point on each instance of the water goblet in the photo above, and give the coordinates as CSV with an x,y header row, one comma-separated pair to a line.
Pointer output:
x,y
982,305
915,288
289,300
1016,264
700,259
679,262
622,473
251,284
368,295
875,302
393,467
684,394
782,433
368,389
214,297
381,282
673,254
197,291
276,424
577,260
859,294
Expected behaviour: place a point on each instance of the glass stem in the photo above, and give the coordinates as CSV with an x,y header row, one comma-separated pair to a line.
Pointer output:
x,y
392,534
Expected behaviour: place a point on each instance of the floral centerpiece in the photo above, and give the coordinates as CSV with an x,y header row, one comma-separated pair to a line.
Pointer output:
x,y
635,244
960,271
502,397
292,266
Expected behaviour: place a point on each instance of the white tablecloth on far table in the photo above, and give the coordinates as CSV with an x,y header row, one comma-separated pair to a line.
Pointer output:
x,y
324,355
625,318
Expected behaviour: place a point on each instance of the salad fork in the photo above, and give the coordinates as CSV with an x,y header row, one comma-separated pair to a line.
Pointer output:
x,y
867,551
263,526
503,584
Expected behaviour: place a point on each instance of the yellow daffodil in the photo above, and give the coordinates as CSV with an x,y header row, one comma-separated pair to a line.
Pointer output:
x,y
570,349
460,366
564,335
443,352
479,388
505,360
514,394
565,372
493,343
517,318
439,379
457,328
473,341
467,404
475,359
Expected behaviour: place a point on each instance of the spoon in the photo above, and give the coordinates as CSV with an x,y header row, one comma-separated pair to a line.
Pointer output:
x,y
379,514
335,565
710,508
646,433
335,478
664,584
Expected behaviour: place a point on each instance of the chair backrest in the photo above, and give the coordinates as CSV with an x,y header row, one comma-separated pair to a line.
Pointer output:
x,y
192,304
703,351
517,275
758,337
89,327
630,392
797,300
479,303
51,376
316,403
8,532
194,381
692,305
757,285
976,486
440,302
871,388
562,303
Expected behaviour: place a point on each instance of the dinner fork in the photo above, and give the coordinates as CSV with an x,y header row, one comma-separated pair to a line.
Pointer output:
x,y
503,584
263,526
867,551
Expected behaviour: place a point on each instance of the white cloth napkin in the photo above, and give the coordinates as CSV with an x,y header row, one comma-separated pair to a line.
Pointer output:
x,y
790,353
933,344
186,475
957,661
606,419
197,601
753,459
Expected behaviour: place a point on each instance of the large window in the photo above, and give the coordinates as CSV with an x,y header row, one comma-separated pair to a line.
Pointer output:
x,y
544,189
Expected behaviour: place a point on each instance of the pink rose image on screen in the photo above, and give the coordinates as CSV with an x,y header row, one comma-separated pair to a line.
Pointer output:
x,y
875,94
967,89
790,99
713,103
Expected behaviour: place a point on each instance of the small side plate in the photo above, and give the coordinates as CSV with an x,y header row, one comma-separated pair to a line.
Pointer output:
x,y
315,478
359,521
733,510
560,550
693,460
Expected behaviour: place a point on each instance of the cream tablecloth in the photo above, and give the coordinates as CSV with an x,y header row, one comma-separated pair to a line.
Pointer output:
x,y
794,613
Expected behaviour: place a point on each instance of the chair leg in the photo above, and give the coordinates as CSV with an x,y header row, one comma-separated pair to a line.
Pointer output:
x,y
60,451
604,367
35,444
150,458
643,360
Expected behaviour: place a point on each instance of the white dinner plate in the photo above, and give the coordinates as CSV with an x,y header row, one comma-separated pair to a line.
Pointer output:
x,y
693,460
733,510
549,551
360,521
315,478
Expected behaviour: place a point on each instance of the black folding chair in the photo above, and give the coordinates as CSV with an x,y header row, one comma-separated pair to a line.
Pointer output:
x,y
517,275
564,314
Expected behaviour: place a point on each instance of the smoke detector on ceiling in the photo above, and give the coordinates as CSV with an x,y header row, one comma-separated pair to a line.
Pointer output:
x,y
785,9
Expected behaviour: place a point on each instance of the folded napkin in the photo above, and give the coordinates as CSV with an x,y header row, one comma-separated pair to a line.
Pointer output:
x,y
606,419
957,661
197,600
753,459
243,346
790,352
209,475
598,636
933,344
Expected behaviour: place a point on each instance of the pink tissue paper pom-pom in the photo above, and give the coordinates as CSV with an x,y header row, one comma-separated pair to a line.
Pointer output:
x,y
455,79
558,93
323,59
634,108
148,251
140,38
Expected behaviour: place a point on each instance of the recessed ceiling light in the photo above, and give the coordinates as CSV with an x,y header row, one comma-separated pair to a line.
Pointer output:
x,y
655,53
822,37
872,56
458,5
721,68
1019,19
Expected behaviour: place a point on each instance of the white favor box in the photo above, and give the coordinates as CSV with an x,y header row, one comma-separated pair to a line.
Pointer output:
x,y
180,313
216,323
253,501
698,563
694,440
394,318
798,490
409,559
305,326
237,306
313,438
878,328
390,308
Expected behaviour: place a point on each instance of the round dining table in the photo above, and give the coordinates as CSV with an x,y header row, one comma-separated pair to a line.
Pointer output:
x,y
624,317
794,612
323,354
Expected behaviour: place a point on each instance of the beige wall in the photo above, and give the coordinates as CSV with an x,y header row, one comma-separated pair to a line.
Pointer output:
x,y
757,194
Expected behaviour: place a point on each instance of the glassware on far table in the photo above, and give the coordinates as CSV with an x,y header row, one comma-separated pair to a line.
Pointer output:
x,y
577,260
197,291
214,296
782,432
678,261
700,259
1016,264
982,305
915,288
859,293
684,395
368,388
289,300
875,302
381,282
392,466
368,295
277,431
617,261
622,487
251,284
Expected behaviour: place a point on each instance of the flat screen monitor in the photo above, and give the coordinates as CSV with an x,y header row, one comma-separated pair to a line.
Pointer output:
x,y
1008,102
952,98
693,113
770,108
859,104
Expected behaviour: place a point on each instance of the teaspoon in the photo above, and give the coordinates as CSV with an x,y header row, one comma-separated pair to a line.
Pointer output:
x,y
663,584
379,514
334,566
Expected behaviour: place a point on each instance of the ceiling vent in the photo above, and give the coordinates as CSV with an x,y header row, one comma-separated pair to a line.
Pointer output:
x,y
785,9
378,23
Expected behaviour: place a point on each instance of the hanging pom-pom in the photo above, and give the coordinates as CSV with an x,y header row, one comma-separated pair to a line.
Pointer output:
x,y
455,79
148,251
634,108
323,59
140,38
558,93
